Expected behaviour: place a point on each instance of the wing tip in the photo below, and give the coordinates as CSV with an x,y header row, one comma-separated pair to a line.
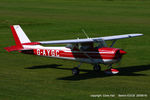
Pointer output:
x,y
135,34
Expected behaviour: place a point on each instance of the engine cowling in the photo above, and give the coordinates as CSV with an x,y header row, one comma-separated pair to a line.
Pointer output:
x,y
111,53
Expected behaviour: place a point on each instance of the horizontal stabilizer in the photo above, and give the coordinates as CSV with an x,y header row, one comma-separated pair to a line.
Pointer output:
x,y
13,48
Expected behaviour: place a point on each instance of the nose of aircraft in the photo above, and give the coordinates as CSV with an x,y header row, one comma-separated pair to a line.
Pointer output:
x,y
122,52
119,53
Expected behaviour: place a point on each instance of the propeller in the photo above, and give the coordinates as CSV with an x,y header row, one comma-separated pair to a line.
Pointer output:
x,y
119,53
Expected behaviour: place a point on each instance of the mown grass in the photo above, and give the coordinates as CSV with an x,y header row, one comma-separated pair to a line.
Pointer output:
x,y
28,77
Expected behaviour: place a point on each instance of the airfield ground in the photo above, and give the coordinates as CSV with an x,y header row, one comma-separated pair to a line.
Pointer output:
x,y
26,77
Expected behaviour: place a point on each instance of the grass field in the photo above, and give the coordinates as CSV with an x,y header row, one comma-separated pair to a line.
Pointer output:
x,y
25,77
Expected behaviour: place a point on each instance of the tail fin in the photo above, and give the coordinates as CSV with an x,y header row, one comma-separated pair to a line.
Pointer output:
x,y
20,38
19,35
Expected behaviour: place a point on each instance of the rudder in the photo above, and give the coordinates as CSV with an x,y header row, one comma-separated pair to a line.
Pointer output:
x,y
19,35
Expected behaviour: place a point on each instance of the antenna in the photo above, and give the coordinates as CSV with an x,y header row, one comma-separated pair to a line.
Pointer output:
x,y
77,34
85,33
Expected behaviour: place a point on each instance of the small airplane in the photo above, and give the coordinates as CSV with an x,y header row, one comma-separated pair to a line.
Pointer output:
x,y
81,50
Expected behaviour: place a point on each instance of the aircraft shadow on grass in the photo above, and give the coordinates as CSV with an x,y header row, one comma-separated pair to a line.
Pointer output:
x,y
89,74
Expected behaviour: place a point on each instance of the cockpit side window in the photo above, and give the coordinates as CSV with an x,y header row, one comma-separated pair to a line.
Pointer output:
x,y
100,44
85,46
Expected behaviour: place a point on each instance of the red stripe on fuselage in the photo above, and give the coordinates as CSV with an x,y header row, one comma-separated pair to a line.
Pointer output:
x,y
74,54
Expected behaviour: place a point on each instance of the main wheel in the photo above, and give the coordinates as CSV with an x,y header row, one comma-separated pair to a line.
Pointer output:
x,y
97,68
75,71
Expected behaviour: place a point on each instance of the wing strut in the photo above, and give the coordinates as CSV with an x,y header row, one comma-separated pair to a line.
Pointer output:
x,y
113,42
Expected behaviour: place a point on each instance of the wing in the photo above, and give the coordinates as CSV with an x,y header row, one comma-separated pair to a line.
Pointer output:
x,y
115,37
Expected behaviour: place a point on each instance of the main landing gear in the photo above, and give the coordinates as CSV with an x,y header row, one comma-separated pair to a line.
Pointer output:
x,y
97,68
75,70
111,71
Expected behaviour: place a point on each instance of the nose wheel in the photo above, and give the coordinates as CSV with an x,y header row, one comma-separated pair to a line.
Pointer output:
x,y
111,71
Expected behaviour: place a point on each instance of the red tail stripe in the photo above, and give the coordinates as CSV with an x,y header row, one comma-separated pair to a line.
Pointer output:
x,y
17,41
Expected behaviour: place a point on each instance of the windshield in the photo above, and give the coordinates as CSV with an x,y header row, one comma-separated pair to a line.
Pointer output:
x,y
101,44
